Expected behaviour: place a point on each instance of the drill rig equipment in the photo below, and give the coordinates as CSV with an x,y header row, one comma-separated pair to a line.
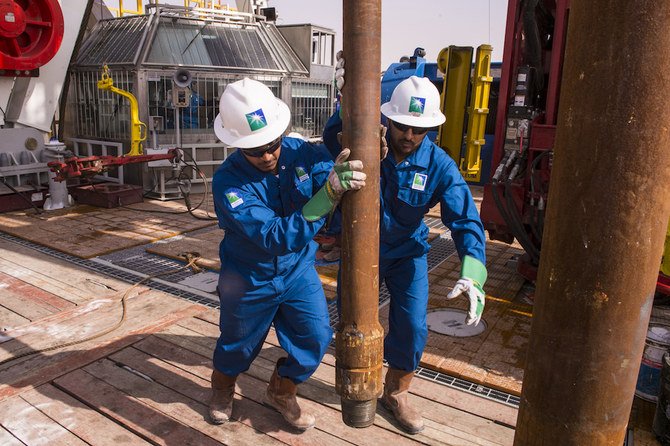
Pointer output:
x,y
138,129
86,167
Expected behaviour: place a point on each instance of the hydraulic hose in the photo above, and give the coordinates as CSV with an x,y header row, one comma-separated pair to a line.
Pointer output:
x,y
517,226
533,41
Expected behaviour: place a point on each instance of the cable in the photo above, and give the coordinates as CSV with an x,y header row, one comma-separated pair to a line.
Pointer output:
x,y
201,174
517,224
508,210
191,264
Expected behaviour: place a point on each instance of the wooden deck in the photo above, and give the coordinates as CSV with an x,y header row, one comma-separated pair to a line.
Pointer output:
x,y
148,381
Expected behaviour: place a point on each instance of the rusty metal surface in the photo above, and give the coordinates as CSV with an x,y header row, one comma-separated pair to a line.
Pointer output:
x,y
360,354
608,206
359,335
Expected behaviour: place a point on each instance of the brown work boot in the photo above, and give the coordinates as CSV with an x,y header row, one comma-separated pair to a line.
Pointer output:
x,y
221,404
281,397
396,390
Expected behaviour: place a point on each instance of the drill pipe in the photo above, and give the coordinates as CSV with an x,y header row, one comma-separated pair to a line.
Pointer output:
x,y
359,336
607,209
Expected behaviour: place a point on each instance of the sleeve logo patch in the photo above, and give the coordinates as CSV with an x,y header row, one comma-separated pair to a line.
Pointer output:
x,y
234,198
302,173
419,181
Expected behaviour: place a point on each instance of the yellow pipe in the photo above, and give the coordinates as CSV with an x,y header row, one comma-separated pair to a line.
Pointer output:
x,y
454,62
121,11
471,165
138,129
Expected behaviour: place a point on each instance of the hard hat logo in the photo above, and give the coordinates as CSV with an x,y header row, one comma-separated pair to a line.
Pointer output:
x,y
256,120
416,105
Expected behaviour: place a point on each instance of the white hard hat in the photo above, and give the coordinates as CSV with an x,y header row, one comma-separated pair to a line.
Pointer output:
x,y
416,102
250,115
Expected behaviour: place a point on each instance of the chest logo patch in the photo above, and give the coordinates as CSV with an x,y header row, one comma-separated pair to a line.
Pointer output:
x,y
302,173
234,198
419,181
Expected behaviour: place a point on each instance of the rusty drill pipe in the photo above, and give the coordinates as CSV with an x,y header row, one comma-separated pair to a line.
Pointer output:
x,y
607,210
359,336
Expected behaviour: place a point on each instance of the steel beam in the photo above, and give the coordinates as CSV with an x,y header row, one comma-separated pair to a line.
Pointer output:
x,y
359,336
607,210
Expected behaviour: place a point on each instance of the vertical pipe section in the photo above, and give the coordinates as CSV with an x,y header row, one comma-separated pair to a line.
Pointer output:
x,y
607,209
359,336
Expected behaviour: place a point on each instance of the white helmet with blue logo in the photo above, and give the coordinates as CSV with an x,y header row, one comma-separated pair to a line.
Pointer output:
x,y
415,102
250,115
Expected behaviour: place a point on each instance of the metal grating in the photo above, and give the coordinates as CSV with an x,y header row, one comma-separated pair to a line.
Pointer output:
x,y
198,43
311,106
115,41
100,113
149,264
434,222
116,272
469,387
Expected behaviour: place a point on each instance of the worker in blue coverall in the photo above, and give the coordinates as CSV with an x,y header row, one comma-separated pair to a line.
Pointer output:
x,y
415,176
271,197
189,116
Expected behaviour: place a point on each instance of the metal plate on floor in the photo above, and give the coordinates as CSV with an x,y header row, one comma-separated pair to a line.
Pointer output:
x,y
451,322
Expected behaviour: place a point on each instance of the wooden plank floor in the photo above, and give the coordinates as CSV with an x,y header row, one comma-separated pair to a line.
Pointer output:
x,y
148,381
87,231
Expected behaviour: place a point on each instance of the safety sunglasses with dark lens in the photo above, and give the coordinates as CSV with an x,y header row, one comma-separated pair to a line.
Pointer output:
x,y
416,130
258,152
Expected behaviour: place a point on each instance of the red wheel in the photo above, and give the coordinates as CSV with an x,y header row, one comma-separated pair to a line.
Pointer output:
x,y
31,32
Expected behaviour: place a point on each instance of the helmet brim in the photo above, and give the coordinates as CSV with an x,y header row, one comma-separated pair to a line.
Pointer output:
x,y
414,121
265,136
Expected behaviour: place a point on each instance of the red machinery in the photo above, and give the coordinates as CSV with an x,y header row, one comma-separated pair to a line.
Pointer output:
x,y
31,32
75,167
515,200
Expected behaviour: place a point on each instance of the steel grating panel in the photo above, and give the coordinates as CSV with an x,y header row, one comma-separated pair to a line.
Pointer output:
x,y
116,272
228,45
434,222
150,264
114,41
469,387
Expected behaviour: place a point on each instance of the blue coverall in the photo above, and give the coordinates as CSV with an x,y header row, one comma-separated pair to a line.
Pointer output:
x,y
408,190
189,116
267,261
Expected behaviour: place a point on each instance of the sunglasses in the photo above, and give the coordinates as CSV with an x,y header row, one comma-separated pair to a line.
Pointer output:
x,y
416,130
258,152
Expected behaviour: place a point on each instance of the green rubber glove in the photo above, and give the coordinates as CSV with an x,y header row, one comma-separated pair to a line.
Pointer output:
x,y
345,175
473,277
